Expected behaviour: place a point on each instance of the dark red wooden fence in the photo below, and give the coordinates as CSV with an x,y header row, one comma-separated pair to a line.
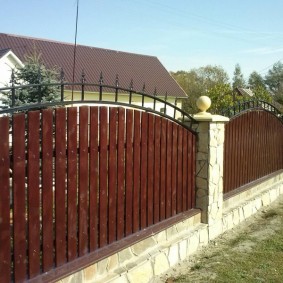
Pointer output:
x,y
253,148
83,178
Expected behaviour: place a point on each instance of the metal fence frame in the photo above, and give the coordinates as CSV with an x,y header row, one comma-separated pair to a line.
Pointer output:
x,y
179,116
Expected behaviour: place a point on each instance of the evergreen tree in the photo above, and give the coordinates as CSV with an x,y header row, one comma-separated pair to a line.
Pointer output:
x,y
258,87
34,72
238,78
274,81
256,81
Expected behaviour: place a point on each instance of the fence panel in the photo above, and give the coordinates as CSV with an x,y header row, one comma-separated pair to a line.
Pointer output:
x,y
71,183
163,158
150,168
47,190
83,181
60,186
103,190
5,235
112,171
93,179
129,172
84,178
121,174
157,163
136,170
143,174
168,207
253,148
179,170
19,198
174,169
33,193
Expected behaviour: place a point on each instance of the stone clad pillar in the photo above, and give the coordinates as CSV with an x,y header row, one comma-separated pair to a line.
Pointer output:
x,y
209,166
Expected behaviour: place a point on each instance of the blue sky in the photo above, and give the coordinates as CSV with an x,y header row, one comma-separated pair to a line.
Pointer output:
x,y
183,34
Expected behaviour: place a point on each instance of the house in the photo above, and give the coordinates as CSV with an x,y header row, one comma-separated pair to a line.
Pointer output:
x,y
245,92
8,62
146,72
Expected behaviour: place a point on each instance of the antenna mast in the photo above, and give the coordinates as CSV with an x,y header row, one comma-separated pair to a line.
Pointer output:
x,y
75,50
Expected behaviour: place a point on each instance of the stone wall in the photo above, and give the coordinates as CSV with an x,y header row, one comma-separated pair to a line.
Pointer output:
x,y
150,257
242,205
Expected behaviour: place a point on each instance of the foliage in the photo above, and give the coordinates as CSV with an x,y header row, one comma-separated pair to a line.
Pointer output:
x,y
238,79
256,80
261,93
188,81
212,75
214,82
221,97
274,81
274,78
34,72
198,82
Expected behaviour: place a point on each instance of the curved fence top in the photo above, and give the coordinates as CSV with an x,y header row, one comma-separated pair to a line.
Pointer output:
x,y
245,106
97,94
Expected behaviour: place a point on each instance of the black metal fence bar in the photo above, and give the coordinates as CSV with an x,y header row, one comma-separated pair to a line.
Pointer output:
x,y
244,106
178,115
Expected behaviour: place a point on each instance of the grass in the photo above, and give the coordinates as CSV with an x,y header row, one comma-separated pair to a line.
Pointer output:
x,y
262,261
263,264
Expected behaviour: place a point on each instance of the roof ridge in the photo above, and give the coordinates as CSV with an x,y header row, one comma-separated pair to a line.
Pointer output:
x,y
72,44
4,49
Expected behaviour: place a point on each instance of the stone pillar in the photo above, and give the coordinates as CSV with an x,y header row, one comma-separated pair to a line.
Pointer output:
x,y
209,166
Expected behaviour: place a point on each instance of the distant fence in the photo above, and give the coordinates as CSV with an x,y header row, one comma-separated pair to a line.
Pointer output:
x,y
242,106
253,147
76,180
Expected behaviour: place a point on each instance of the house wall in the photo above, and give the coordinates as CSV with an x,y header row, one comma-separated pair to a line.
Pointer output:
x,y
124,98
6,67
7,64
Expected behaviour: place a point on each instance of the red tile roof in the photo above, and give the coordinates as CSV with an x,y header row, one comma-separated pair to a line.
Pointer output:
x,y
142,69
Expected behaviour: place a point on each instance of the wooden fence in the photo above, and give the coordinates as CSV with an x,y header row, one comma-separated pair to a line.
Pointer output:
x,y
253,148
74,180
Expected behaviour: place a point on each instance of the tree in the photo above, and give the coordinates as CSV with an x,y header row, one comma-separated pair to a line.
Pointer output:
x,y
257,84
198,82
221,97
34,72
188,81
238,79
261,93
211,76
274,81
256,80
